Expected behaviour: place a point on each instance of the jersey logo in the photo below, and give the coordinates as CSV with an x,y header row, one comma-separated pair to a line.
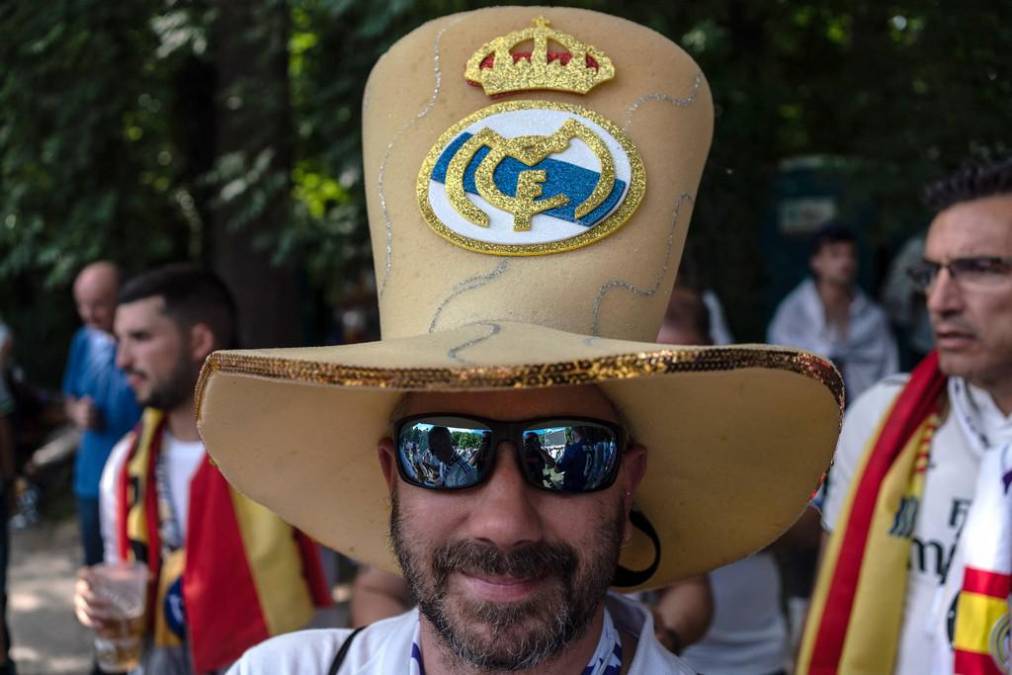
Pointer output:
x,y
530,178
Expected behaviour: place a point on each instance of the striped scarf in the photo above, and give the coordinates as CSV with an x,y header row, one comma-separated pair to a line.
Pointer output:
x,y
244,574
857,609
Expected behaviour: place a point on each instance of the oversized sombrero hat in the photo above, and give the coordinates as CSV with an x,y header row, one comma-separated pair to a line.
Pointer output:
x,y
530,177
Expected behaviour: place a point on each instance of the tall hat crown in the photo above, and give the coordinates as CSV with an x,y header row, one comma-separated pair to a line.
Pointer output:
x,y
657,118
502,65
522,244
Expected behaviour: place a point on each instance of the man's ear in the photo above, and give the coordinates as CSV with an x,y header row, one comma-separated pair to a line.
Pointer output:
x,y
634,467
385,452
201,342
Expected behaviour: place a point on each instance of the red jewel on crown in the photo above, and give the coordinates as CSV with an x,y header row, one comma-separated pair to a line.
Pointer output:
x,y
503,65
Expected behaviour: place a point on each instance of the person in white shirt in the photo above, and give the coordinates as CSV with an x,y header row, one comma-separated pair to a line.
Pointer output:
x,y
966,275
167,321
830,315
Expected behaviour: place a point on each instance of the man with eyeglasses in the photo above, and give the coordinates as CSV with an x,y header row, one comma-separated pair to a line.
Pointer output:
x,y
915,574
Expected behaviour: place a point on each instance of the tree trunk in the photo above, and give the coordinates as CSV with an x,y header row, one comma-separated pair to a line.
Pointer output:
x,y
254,160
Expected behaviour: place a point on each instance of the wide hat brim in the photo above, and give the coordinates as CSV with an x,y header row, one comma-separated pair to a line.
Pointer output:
x,y
737,438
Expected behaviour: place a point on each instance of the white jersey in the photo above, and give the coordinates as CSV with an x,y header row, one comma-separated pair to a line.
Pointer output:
x,y
949,487
865,355
182,459
384,648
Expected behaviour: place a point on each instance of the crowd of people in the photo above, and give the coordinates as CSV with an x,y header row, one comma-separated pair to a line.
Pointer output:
x,y
524,494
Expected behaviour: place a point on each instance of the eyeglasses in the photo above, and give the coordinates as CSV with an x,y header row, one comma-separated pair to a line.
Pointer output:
x,y
978,271
558,454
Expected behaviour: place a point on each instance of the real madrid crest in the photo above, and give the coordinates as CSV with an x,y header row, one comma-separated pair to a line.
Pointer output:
x,y
532,177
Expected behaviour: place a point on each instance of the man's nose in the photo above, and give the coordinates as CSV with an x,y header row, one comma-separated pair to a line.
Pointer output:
x,y
944,295
122,356
507,515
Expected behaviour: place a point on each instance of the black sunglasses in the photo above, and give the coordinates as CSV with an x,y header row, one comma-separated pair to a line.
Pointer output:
x,y
447,451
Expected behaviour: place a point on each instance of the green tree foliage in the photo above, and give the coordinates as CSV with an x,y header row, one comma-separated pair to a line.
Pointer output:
x,y
108,130
88,167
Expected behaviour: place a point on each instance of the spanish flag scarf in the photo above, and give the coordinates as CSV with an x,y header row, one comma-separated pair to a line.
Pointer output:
x,y
856,611
972,614
242,575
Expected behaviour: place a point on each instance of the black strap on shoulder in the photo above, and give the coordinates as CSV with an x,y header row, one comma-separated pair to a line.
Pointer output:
x,y
626,578
343,652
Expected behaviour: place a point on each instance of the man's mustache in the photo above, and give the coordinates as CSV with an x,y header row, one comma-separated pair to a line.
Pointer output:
x,y
528,561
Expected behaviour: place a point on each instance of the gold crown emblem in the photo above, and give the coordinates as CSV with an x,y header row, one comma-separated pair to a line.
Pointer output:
x,y
502,65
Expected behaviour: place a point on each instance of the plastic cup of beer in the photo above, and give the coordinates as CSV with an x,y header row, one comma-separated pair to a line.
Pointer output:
x,y
124,587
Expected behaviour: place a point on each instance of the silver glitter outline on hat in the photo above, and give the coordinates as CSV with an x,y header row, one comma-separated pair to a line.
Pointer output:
x,y
494,329
388,264
658,96
626,285
469,284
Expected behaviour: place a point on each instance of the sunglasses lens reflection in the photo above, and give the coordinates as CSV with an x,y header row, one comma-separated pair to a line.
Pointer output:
x,y
570,456
443,453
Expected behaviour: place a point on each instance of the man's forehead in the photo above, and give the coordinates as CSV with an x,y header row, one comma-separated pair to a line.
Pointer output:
x,y
96,279
978,227
513,404
836,247
143,311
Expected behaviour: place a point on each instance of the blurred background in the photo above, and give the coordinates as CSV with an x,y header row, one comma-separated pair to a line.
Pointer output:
x,y
228,132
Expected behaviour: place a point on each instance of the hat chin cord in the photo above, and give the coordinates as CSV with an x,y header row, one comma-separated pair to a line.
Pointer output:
x,y
627,578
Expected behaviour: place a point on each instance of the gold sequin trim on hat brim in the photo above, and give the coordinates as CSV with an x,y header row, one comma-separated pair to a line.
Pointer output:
x,y
562,373
630,200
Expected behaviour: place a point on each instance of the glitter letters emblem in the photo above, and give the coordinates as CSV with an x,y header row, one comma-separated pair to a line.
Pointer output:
x,y
530,178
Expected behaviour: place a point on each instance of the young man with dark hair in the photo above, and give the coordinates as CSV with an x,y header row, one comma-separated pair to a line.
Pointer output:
x,y
829,315
916,570
225,573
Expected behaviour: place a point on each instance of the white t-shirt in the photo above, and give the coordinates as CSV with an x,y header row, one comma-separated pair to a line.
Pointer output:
x,y
949,486
749,630
182,459
384,648
865,355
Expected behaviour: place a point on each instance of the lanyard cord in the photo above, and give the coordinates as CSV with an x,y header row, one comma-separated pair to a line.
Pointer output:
x,y
168,520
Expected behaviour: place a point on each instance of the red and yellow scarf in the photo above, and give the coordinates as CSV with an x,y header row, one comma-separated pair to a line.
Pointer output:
x,y
856,612
246,575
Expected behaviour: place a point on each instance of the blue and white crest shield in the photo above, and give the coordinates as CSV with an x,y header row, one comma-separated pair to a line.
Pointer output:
x,y
530,178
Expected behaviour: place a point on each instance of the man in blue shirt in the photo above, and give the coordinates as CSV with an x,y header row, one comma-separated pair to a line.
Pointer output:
x,y
97,397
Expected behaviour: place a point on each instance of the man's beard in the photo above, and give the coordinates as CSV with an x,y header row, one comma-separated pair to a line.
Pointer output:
x,y
174,390
509,636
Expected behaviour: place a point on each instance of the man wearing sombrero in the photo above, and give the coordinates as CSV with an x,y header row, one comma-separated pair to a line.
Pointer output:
x,y
530,178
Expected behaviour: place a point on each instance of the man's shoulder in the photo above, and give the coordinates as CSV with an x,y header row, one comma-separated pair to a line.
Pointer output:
x,y
313,651
306,651
91,339
114,464
80,337
632,617
878,398
656,659
797,295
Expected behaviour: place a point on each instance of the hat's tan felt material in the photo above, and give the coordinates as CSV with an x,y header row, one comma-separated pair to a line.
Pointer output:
x,y
730,462
737,438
